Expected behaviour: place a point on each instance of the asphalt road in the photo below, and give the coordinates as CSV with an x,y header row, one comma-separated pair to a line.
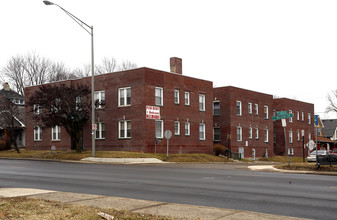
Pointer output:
x,y
222,185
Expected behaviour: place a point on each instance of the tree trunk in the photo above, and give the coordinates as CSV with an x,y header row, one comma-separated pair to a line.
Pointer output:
x,y
13,141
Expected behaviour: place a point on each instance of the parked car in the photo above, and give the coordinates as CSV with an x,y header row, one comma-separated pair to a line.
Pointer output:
x,y
312,156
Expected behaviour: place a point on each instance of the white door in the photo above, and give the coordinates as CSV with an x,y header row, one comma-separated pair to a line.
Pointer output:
x,y
242,152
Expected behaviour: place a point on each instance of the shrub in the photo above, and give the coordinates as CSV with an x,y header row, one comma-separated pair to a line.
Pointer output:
x,y
219,149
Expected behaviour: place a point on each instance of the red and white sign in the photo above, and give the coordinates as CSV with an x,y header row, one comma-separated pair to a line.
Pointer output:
x,y
152,112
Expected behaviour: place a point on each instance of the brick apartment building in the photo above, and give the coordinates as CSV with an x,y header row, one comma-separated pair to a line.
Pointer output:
x,y
243,121
184,103
303,120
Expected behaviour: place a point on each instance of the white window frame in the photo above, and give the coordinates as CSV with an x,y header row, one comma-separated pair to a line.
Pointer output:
x,y
291,138
187,98
298,116
161,135
298,135
238,108
238,133
100,132
302,116
291,118
176,96
159,94
176,127
57,131
202,102
37,109
309,119
100,96
266,135
124,123
218,109
187,128
202,131
250,108
124,92
250,133
256,133
266,112
256,109
37,133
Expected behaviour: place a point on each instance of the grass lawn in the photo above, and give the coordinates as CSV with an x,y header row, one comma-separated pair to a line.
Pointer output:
x,y
72,155
31,209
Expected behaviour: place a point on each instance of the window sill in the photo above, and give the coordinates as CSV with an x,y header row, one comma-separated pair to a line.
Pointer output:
x,y
127,138
123,106
37,140
99,139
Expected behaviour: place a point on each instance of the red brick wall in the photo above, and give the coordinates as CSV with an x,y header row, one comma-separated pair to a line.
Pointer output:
x,y
284,104
228,120
142,82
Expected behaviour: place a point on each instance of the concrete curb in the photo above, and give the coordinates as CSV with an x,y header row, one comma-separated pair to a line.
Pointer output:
x,y
172,210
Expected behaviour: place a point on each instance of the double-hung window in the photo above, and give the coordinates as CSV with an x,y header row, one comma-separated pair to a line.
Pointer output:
x,y
124,128
56,133
176,96
159,96
250,108
216,134
256,109
37,133
309,118
99,97
124,96
216,108
238,108
202,98
290,119
290,137
202,135
37,109
187,128
266,135
177,128
256,133
159,127
187,98
239,133
100,132
265,111
250,133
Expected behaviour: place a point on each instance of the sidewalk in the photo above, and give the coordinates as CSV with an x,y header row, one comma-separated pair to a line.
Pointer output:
x,y
141,206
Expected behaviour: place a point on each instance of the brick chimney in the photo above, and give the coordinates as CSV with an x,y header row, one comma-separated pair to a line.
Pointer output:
x,y
176,65
6,87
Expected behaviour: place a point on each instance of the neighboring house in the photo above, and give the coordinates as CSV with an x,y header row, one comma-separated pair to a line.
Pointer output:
x,y
19,121
140,105
303,121
243,121
327,138
330,129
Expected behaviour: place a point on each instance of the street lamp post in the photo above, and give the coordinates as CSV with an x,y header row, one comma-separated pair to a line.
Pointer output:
x,y
91,32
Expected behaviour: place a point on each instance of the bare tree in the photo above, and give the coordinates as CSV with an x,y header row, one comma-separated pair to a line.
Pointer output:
x,y
332,98
59,71
14,71
126,65
37,68
107,66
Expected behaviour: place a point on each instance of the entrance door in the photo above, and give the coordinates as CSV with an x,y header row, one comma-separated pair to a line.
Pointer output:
x,y
242,152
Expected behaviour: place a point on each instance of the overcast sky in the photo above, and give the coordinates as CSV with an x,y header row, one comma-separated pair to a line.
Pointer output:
x,y
283,48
